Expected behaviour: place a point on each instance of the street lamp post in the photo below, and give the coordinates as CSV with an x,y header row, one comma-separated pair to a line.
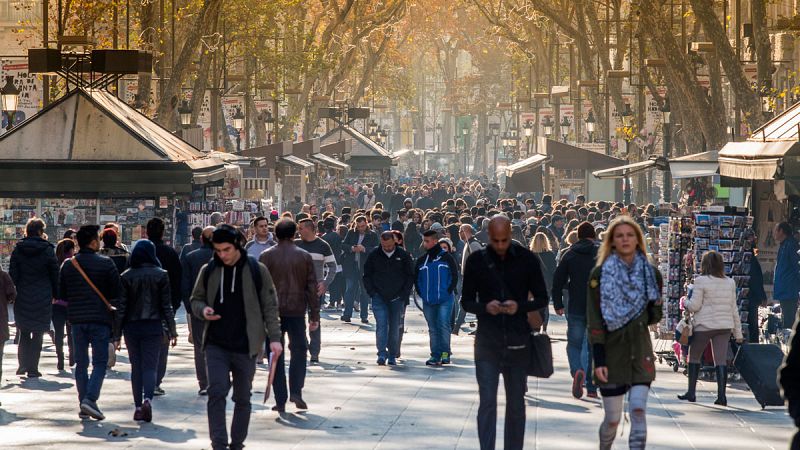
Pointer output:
x,y
495,131
665,114
565,124
627,122
238,124
10,97
528,136
591,122
185,113
547,123
269,123
464,133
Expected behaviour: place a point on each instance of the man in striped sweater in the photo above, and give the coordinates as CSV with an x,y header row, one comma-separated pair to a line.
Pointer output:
x,y
325,267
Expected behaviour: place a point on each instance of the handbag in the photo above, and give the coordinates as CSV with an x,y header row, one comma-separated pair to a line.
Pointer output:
x,y
540,362
684,327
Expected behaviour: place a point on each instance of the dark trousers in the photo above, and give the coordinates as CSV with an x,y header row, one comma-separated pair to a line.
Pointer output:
x,y
199,354
789,312
29,350
515,379
163,353
98,337
295,327
143,341
62,330
226,369
402,327
753,333
356,292
337,289
2,349
315,338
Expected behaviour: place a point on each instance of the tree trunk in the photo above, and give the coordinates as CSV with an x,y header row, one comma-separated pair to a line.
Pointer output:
x,y
148,36
758,11
745,97
206,20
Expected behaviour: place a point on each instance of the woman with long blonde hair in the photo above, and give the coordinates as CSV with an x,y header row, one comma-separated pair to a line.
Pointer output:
x,y
624,298
540,245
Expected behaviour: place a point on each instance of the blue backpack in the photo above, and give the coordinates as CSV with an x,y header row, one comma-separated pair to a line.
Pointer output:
x,y
433,280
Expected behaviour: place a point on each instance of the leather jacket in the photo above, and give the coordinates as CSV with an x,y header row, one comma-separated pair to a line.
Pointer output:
x,y
292,271
145,295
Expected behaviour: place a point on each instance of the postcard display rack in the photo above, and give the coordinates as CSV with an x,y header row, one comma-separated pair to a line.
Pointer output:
x,y
675,243
689,239
237,212
61,214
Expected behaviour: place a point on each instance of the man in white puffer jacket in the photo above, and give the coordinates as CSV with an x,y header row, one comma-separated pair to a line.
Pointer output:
x,y
712,302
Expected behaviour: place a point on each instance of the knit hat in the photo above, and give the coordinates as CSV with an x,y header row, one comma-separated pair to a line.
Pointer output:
x,y
273,215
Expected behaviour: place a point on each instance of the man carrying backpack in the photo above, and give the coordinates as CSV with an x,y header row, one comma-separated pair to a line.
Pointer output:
x,y
236,298
436,276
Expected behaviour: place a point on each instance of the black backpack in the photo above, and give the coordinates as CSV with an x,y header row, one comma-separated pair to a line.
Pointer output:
x,y
255,271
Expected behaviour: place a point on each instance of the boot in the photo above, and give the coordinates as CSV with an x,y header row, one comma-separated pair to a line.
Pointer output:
x,y
694,371
722,382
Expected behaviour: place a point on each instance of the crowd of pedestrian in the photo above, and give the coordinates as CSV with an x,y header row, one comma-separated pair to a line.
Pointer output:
x,y
451,247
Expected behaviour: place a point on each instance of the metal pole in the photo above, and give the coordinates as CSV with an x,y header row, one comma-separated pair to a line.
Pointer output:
x,y
667,173
45,44
627,180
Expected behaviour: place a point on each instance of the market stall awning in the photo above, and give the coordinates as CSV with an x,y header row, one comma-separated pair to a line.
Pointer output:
x,y
755,160
330,162
627,170
207,170
400,153
297,162
569,157
95,128
526,164
703,164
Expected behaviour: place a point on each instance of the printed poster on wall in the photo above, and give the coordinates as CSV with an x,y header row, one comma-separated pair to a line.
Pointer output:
x,y
30,90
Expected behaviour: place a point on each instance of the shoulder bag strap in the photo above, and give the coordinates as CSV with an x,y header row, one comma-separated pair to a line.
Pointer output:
x,y
78,267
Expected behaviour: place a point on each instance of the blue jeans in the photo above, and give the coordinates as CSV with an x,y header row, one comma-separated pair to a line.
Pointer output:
x,y
295,327
143,340
579,353
438,318
98,336
355,291
387,325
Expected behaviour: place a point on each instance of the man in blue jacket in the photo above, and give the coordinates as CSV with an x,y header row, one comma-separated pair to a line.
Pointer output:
x,y
786,287
436,277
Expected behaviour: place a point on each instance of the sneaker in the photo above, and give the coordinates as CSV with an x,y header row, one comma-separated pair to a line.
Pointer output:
x,y
315,360
577,383
147,411
381,361
82,415
36,374
433,362
392,361
158,391
279,408
90,408
445,358
202,392
137,415
591,394
365,321
345,319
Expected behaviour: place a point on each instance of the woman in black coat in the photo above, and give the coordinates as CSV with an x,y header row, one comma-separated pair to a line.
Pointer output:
x,y
756,297
144,315
540,245
34,270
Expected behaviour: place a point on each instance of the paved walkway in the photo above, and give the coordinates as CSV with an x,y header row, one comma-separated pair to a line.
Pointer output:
x,y
355,404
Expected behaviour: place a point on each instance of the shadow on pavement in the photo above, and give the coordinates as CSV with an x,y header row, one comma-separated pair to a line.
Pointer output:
x,y
8,417
302,420
546,404
164,434
38,384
